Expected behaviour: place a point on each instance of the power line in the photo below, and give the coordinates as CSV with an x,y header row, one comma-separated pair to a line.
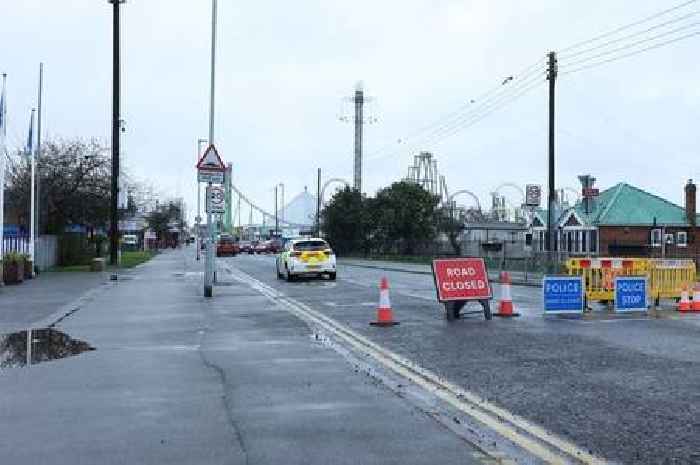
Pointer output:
x,y
631,45
626,55
484,105
629,36
472,118
627,26
453,116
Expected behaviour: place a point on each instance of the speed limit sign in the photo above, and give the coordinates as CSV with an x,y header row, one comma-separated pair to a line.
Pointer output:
x,y
216,200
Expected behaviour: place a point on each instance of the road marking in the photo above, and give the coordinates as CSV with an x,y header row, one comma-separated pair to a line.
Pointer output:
x,y
533,438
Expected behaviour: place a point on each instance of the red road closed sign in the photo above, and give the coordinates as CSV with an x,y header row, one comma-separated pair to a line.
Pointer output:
x,y
461,279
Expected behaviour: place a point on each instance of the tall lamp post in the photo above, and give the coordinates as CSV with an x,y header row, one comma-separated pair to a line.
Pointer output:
x,y
116,125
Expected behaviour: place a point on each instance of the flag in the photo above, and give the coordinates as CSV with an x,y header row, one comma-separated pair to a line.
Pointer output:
x,y
30,137
3,110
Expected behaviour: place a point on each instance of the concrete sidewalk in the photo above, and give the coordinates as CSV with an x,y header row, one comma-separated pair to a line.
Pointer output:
x,y
25,304
519,278
176,378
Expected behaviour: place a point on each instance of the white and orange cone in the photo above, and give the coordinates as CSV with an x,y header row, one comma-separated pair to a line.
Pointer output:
x,y
385,316
505,304
695,307
684,304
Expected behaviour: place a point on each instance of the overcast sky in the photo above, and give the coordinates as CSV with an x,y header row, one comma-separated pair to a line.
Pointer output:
x,y
284,69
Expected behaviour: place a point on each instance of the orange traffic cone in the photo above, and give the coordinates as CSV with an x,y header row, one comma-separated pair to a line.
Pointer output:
x,y
385,316
696,298
684,304
505,305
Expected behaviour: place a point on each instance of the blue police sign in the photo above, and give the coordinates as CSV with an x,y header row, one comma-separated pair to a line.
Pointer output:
x,y
563,294
631,294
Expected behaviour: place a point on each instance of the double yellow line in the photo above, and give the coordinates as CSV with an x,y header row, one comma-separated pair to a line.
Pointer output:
x,y
534,439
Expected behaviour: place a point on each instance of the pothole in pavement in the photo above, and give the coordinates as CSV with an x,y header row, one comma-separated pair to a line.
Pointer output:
x,y
44,345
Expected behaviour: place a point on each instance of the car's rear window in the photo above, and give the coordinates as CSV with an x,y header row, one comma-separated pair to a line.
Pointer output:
x,y
308,246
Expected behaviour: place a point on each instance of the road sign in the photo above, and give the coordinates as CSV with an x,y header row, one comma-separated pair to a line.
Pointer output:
x,y
588,192
563,294
214,177
216,199
533,195
631,294
461,279
211,161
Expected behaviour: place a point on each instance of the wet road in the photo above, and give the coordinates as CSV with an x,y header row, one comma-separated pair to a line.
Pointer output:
x,y
628,390
147,371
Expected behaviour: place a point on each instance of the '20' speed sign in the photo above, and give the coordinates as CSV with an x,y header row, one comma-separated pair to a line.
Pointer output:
x,y
216,199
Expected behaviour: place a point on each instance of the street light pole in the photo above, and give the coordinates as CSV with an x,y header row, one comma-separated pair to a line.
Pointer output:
x,y
209,268
114,226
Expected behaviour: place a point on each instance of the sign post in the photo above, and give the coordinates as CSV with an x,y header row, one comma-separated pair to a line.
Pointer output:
x,y
563,295
461,280
631,294
208,165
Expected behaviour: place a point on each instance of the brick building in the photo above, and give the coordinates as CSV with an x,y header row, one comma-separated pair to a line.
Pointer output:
x,y
625,220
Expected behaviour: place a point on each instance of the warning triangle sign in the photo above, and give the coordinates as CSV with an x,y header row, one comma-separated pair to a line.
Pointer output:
x,y
211,161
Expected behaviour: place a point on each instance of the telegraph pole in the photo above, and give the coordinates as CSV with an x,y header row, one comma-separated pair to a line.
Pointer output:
x,y
37,174
276,218
318,204
359,100
114,226
551,196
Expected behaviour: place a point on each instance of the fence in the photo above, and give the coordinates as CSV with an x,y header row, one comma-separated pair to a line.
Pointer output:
x,y
45,249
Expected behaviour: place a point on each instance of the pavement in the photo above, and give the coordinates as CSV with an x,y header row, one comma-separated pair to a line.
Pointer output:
x,y
148,371
519,278
625,389
25,304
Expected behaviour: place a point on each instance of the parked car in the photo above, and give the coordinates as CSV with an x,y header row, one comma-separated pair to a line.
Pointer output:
x,y
276,246
246,247
306,257
226,245
261,247
130,242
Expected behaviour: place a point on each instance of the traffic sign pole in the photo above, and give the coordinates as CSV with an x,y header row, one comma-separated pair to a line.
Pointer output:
x,y
209,265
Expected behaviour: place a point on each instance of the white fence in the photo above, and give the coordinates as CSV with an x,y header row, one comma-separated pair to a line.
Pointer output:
x,y
45,253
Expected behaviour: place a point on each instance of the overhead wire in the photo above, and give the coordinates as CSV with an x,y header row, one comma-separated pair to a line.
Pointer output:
x,y
469,106
628,36
627,55
629,46
627,26
476,111
468,119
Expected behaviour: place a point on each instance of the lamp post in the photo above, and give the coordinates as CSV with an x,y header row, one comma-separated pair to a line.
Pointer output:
x,y
116,124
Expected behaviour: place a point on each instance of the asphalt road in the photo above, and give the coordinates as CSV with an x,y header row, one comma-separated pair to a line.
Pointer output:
x,y
147,371
628,390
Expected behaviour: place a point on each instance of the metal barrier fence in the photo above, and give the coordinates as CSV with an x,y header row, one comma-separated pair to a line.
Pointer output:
x,y
666,277
45,249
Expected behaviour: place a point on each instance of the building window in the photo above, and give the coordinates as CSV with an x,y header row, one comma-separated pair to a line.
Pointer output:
x,y
584,241
656,238
594,241
682,239
669,239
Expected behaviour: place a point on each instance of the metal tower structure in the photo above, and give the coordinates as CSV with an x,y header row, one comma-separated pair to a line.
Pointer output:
x,y
359,101
424,172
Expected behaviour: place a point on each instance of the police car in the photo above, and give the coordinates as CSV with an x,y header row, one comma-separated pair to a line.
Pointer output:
x,y
306,257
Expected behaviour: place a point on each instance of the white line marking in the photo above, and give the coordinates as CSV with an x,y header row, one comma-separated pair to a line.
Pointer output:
x,y
533,438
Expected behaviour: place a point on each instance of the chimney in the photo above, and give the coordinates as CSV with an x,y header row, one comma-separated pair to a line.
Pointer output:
x,y
690,204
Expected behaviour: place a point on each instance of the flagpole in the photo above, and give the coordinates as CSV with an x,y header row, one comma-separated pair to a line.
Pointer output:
x,y
32,203
36,183
3,133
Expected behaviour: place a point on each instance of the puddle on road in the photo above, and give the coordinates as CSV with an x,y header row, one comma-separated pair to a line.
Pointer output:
x,y
45,345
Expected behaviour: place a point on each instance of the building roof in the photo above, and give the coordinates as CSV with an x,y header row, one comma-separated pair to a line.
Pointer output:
x,y
626,205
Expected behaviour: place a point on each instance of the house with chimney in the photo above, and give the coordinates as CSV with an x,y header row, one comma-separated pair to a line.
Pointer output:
x,y
623,221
